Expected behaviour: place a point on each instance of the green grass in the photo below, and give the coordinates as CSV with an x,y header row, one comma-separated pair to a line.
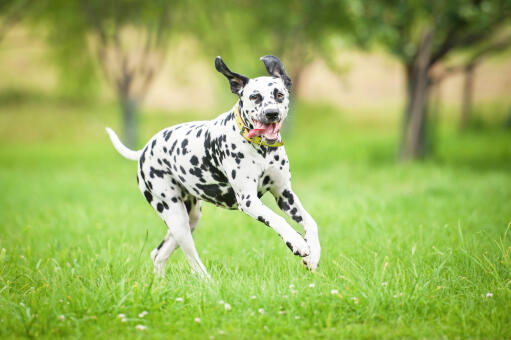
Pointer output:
x,y
412,249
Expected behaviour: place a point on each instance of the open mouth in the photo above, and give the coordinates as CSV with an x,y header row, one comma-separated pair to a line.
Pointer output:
x,y
270,132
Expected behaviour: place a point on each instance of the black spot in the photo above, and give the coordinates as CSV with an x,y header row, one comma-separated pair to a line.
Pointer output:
x,y
276,157
159,207
156,172
161,245
233,174
262,219
287,194
148,196
297,218
188,206
172,147
248,203
266,180
167,134
197,172
194,160
184,143
173,199
283,205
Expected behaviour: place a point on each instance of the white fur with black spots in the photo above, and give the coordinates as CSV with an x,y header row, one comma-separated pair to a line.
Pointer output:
x,y
210,160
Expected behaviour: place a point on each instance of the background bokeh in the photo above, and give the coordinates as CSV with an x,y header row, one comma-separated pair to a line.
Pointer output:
x,y
399,140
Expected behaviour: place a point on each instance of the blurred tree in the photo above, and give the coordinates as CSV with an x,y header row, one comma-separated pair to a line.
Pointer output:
x,y
130,40
296,31
421,34
474,58
127,38
11,12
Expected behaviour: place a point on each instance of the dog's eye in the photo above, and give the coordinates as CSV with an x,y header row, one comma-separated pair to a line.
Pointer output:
x,y
254,96
280,95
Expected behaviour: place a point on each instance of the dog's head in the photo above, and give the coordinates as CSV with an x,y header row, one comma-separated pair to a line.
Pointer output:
x,y
263,101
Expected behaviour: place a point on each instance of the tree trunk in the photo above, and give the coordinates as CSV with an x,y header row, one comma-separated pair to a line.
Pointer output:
x,y
466,104
129,107
413,142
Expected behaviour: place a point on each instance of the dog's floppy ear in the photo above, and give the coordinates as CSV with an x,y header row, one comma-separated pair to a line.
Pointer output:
x,y
275,68
237,81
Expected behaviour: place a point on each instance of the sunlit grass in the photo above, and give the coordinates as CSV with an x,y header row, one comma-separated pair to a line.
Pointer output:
x,y
409,250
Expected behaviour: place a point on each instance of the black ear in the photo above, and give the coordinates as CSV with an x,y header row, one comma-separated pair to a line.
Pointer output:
x,y
237,81
275,68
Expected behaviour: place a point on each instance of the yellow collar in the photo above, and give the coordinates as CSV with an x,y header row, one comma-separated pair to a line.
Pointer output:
x,y
244,131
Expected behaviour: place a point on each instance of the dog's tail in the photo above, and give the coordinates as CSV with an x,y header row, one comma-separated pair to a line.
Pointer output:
x,y
121,148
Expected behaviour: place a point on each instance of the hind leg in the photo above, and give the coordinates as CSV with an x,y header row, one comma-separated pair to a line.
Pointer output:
x,y
161,254
178,222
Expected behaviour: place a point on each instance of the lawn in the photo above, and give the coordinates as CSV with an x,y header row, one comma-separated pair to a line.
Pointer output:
x,y
417,250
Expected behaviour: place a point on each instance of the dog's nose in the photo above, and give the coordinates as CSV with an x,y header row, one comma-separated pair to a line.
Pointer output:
x,y
272,115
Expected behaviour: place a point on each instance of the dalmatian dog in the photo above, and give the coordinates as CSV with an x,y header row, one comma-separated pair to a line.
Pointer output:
x,y
230,161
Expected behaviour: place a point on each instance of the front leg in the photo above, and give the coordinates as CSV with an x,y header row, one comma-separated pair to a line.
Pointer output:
x,y
288,201
249,203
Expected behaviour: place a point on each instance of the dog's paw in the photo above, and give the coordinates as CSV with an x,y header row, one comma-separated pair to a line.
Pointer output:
x,y
311,261
298,245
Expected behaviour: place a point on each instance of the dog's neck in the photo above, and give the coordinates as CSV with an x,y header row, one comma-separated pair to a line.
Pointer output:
x,y
244,115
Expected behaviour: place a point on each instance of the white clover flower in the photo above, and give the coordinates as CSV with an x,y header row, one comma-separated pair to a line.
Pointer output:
x,y
297,317
121,316
312,285
221,332
140,327
489,295
334,292
291,286
179,299
221,302
62,317
227,306
124,320
197,320
355,300
385,284
282,312
253,297
261,311
141,315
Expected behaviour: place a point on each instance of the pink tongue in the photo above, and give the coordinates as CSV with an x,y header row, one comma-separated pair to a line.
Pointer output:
x,y
269,131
